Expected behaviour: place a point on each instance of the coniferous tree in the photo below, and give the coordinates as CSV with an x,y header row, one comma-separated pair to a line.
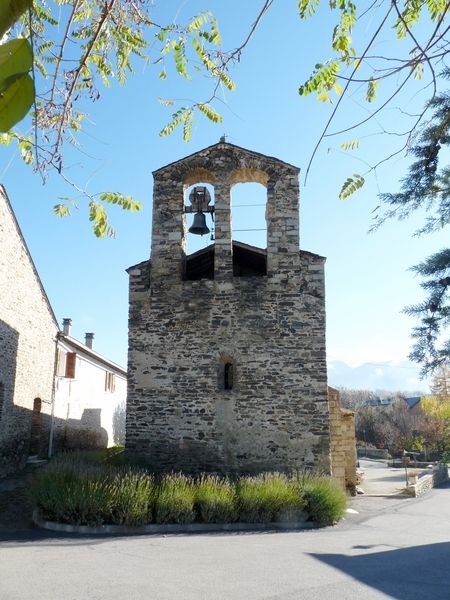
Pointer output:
x,y
427,186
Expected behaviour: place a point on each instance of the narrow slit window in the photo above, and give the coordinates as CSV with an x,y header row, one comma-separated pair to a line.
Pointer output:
x,y
2,398
228,376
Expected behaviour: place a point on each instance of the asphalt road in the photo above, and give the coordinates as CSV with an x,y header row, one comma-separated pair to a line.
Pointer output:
x,y
392,548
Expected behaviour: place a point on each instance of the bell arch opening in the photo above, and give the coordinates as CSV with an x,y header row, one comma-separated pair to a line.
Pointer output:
x,y
198,230
249,226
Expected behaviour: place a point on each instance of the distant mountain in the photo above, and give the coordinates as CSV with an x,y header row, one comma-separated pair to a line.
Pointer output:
x,y
396,376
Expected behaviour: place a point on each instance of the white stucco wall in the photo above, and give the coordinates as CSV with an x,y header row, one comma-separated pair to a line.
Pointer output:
x,y
84,411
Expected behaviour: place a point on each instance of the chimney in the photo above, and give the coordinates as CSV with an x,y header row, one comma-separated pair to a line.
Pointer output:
x,y
67,326
89,340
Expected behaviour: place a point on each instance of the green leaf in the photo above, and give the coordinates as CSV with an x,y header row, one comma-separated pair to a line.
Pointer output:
x,y
187,127
227,81
6,138
44,14
26,150
99,219
177,118
351,185
10,11
324,97
212,115
307,8
179,55
215,35
418,71
372,87
323,79
16,57
352,145
125,202
16,100
198,21
61,210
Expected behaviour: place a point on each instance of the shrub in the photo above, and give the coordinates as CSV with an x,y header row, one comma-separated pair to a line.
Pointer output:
x,y
71,493
325,500
84,489
269,497
215,500
132,497
73,490
445,458
174,502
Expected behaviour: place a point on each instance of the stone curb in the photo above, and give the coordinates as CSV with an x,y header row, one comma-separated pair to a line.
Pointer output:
x,y
172,528
399,495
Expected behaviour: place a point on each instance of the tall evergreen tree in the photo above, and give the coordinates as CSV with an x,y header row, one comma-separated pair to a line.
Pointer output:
x,y
427,186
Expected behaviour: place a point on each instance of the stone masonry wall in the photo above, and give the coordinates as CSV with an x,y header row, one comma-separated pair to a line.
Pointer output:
x,y
27,347
272,328
343,442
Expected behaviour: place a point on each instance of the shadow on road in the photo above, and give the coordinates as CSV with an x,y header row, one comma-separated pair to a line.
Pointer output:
x,y
405,573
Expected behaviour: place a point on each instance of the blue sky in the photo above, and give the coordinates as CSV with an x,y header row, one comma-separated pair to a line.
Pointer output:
x,y
367,276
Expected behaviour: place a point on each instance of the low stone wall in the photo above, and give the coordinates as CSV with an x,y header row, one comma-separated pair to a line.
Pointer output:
x,y
343,442
381,453
428,482
397,463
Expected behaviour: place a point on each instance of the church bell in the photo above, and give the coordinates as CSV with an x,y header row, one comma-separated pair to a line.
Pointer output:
x,y
199,226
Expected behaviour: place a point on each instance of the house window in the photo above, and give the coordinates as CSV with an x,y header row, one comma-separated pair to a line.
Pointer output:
x,y
71,358
61,364
110,382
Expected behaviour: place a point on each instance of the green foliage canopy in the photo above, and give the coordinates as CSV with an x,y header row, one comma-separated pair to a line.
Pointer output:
x,y
73,48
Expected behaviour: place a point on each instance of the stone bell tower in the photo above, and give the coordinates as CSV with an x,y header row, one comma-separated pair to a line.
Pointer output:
x,y
227,366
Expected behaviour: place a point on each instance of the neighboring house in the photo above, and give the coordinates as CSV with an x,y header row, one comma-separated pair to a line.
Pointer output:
x,y
379,402
28,330
42,408
90,395
227,364
413,401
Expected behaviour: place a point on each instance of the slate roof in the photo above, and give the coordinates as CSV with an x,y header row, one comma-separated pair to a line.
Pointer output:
x,y
77,345
413,401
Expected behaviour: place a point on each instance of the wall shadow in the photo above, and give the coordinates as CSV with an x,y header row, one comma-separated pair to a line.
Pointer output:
x,y
405,573
81,434
9,342
69,434
12,446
